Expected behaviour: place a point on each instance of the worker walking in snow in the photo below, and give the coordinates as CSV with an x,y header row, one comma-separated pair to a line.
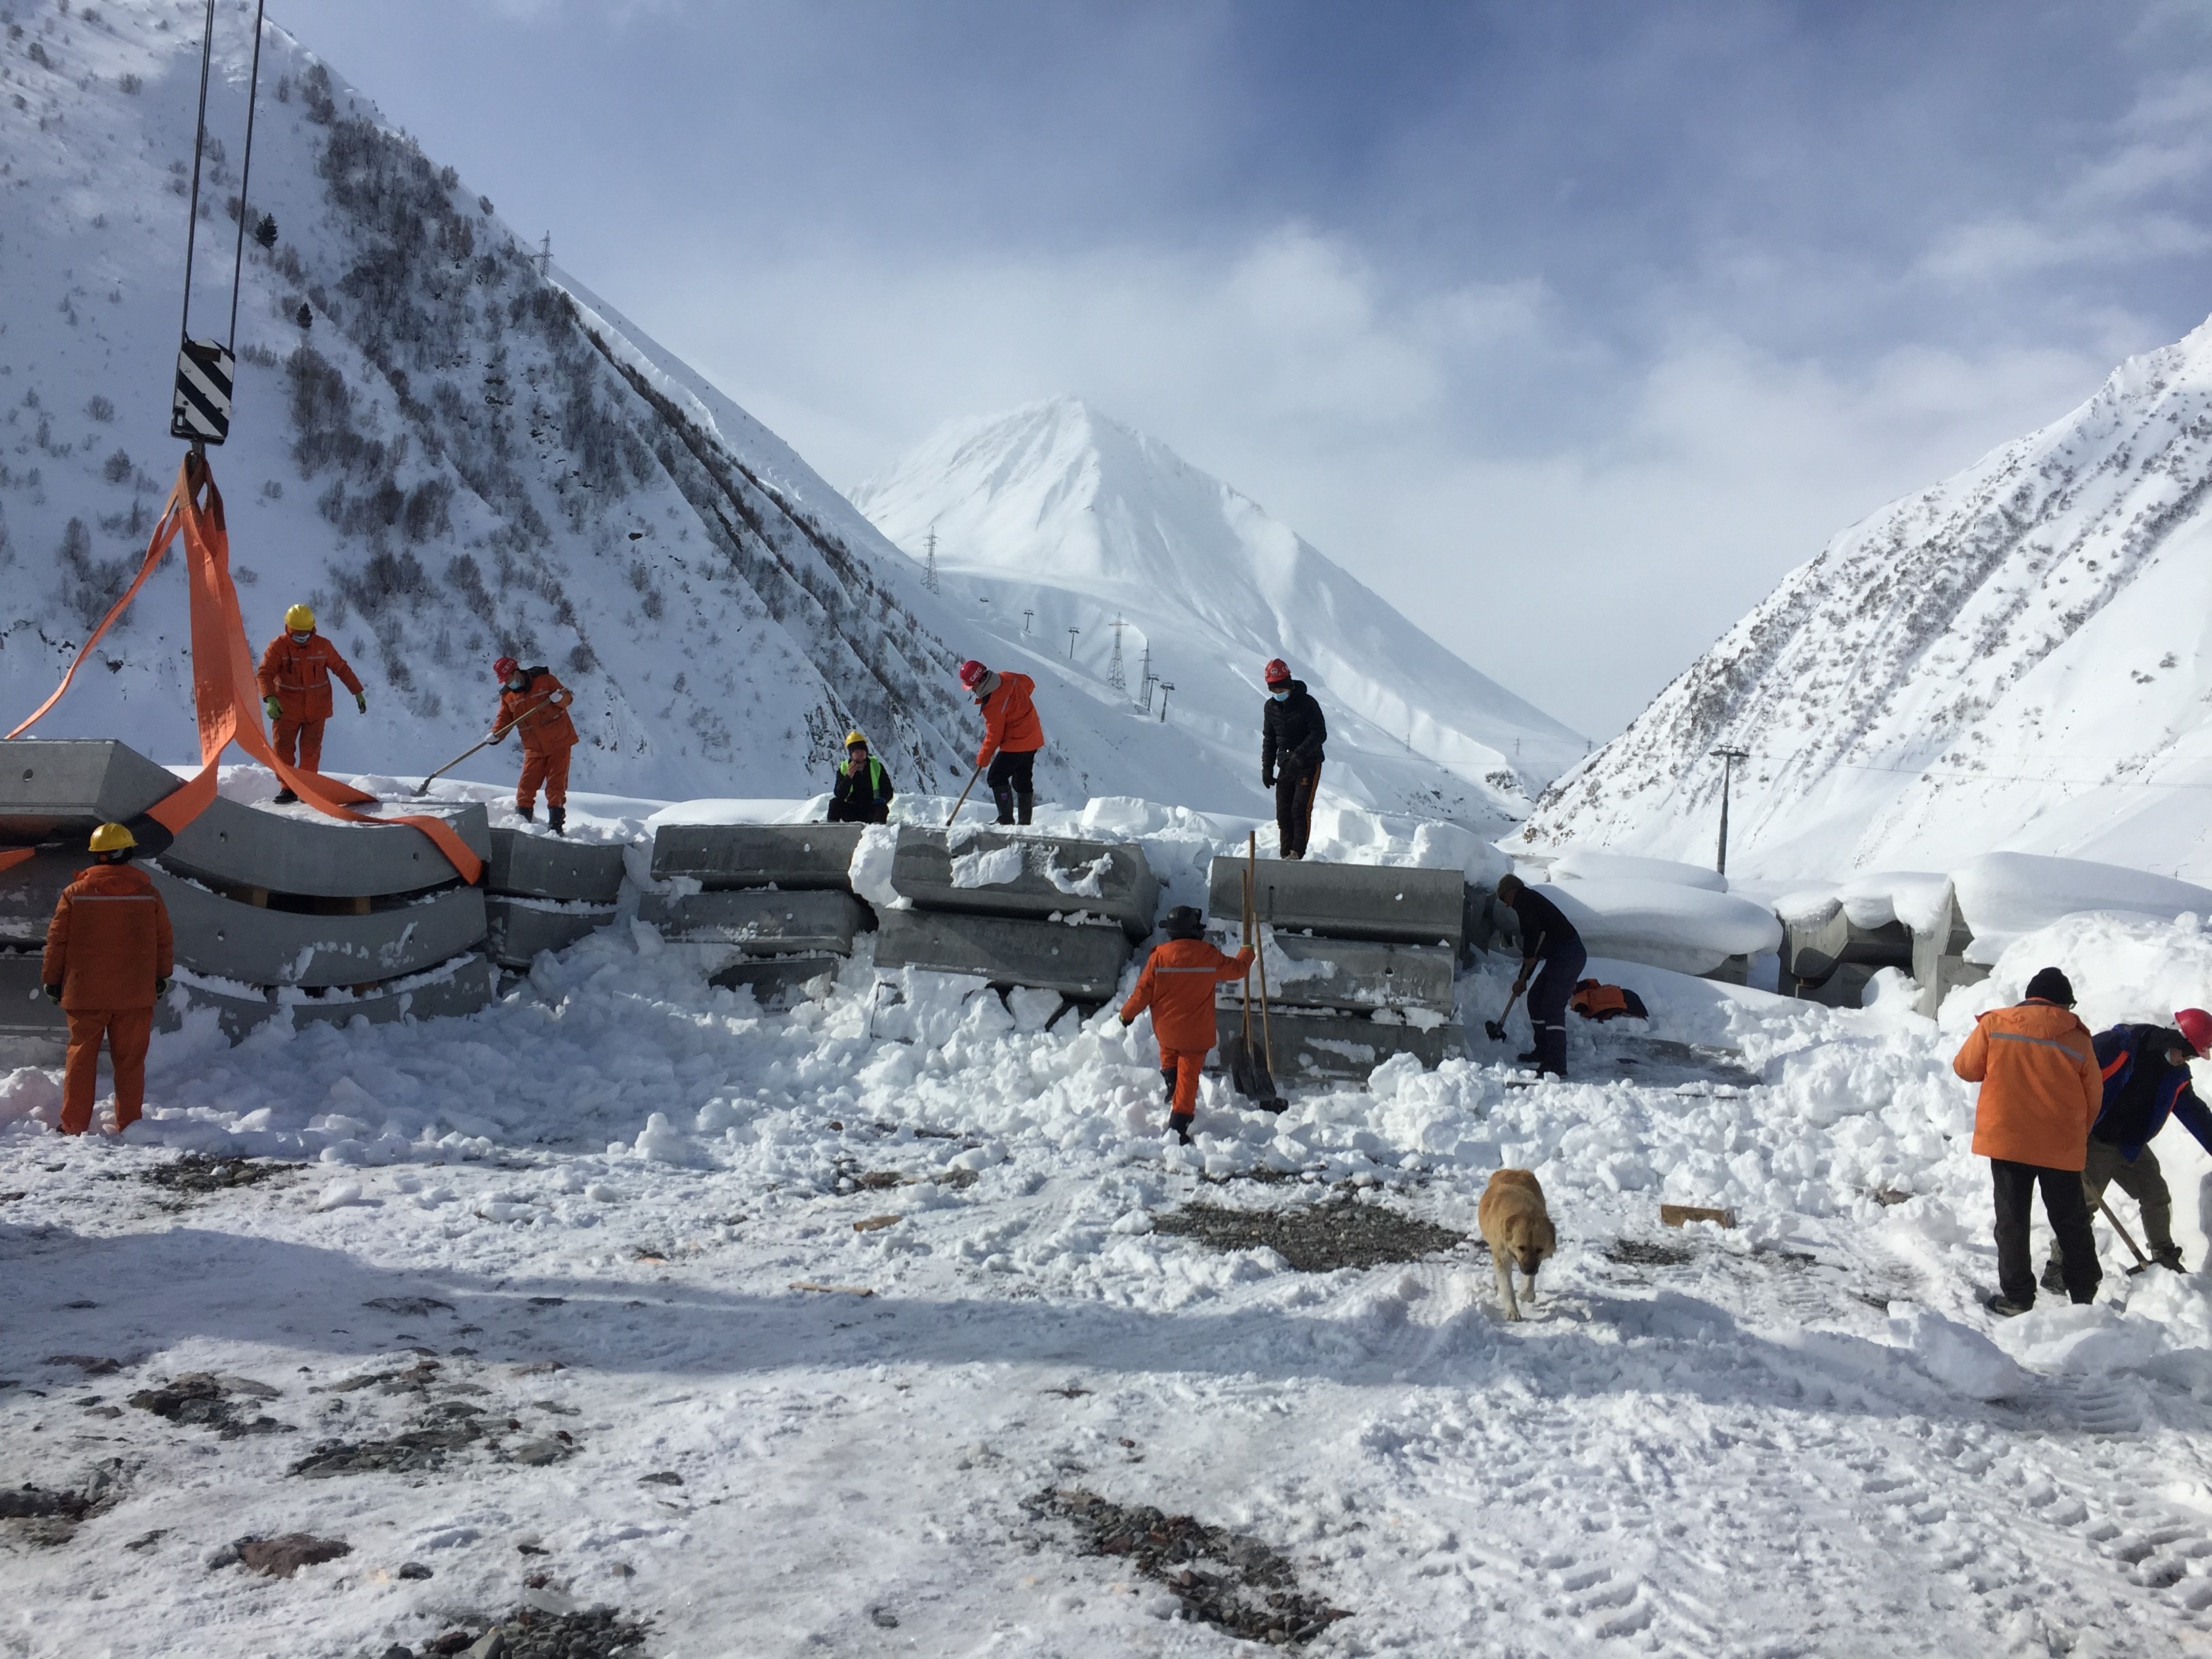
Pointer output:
x,y
1552,960
2146,1081
2041,1091
1013,734
862,793
108,960
533,702
295,691
1177,985
1292,730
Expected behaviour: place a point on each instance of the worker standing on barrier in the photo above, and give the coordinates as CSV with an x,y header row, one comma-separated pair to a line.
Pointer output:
x,y
533,702
1177,985
1292,730
862,793
109,956
1013,734
1552,960
295,691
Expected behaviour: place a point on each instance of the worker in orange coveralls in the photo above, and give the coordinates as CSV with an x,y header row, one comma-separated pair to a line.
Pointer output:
x,y
1177,985
295,691
533,702
108,960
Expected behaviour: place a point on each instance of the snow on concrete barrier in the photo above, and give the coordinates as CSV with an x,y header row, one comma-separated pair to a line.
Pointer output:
x,y
1005,872
1664,924
761,922
1082,961
1319,1043
1387,903
1309,970
459,986
1827,957
2004,895
777,897
34,1031
727,855
544,893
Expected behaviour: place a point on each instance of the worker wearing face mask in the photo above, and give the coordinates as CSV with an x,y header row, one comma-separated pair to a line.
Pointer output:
x,y
295,691
1291,732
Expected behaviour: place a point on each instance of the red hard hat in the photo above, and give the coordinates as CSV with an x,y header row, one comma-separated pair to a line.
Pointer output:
x,y
971,674
2197,1025
1277,671
505,668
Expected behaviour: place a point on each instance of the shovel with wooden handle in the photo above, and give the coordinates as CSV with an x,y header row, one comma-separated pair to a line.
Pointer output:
x,y
496,737
962,801
2143,1261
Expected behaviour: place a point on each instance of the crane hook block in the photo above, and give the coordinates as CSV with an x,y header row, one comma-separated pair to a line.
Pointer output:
x,y
201,414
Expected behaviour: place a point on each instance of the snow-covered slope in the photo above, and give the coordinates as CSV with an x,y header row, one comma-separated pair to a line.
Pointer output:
x,y
459,453
1054,517
2018,658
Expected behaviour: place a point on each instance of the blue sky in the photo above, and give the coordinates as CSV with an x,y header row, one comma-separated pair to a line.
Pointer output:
x,y
1569,328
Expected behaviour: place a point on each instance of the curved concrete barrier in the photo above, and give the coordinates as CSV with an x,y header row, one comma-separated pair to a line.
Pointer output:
x,y
1083,963
551,867
1343,973
448,990
56,787
516,929
299,851
32,1030
231,940
790,855
28,892
1387,903
759,922
1001,873
1311,1044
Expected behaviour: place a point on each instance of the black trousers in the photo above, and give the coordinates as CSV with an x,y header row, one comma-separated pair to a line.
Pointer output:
x,y
1548,995
1294,805
2069,1213
1011,779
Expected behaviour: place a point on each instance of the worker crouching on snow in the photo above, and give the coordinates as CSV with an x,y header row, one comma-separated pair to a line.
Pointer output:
x,y
2146,1078
295,691
108,960
533,702
2041,1092
1013,734
1177,985
862,793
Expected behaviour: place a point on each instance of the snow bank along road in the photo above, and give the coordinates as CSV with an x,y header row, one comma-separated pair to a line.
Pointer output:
x,y
522,1332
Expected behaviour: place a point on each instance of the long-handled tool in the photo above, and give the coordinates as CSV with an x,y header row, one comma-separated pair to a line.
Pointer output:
x,y
1272,1100
496,737
1250,1070
1496,1028
962,801
2143,1261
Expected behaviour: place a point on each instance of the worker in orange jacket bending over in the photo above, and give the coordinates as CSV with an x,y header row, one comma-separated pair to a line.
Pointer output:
x,y
295,691
108,960
1177,985
533,702
1013,734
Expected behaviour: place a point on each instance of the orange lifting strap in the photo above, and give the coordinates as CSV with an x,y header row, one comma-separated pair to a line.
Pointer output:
x,y
223,689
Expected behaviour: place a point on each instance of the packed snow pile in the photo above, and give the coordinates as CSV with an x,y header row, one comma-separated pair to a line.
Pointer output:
x,y
1666,924
1592,864
2004,895
1069,539
2012,659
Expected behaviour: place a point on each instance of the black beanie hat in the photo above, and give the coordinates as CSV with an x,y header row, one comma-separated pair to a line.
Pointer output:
x,y
1184,921
2048,985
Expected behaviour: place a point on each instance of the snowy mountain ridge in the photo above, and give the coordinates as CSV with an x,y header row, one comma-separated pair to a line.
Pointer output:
x,y
1053,517
2014,658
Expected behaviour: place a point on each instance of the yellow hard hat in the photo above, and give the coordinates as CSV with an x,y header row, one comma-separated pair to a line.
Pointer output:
x,y
112,838
299,619
852,737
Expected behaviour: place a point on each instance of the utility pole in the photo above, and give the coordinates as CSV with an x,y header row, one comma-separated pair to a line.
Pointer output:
x,y
1071,633
929,562
1166,686
1116,676
1728,758
1026,615
545,257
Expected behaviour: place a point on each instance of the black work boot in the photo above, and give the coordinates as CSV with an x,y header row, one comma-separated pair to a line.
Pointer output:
x,y
557,819
2005,1307
529,813
1182,1128
1006,805
2054,1276
2168,1256
286,798
1022,806
1528,1055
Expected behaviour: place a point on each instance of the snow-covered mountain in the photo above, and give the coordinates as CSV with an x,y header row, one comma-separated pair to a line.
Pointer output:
x,y
1055,518
458,452
2018,658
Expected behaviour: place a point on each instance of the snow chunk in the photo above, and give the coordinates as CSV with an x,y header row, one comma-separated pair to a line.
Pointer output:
x,y
2004,895
2090,1340
992,869
1664,924
870,872
1589,864
1954,1356
29,1092
337,1194
662,1142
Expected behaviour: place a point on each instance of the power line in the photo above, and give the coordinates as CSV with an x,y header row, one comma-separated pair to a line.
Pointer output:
x,y
2021,777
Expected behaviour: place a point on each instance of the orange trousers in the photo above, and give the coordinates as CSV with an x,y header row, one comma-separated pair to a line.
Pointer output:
x,y
299,743
1181,1068
128,1031
548,766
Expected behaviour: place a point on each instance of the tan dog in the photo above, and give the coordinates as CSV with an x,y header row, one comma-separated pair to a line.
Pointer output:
x,y
1518,1228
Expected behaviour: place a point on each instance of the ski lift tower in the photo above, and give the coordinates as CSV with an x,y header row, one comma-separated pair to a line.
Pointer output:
x,y
1146,679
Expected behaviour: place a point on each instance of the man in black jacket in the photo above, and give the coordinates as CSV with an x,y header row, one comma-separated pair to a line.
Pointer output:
x,y
862,793
1291,732
1552,960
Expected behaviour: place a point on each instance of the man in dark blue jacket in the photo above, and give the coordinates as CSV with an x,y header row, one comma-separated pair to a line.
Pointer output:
x,y
2147,1081
1552,959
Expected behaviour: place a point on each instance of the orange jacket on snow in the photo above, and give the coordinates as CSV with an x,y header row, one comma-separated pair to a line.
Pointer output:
x,y
540,712
1177,985
1010,719
109,940
299,676
2041,1087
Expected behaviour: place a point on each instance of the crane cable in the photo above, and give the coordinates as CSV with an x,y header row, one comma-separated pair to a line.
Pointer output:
x,y
186,357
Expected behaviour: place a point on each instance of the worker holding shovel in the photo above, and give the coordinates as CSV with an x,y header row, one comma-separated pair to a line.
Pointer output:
x,y
1177,985
1552,959
533,702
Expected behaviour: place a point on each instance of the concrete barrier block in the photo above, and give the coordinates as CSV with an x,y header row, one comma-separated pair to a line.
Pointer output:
x,y
724,855
1939,967
553,867
517,929
32,1030
1363,974
777,981
761,923
28,892
448,990
998,873
52,787
1083,964
1815,946
232,940
1311,1044
297,850
1383,901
